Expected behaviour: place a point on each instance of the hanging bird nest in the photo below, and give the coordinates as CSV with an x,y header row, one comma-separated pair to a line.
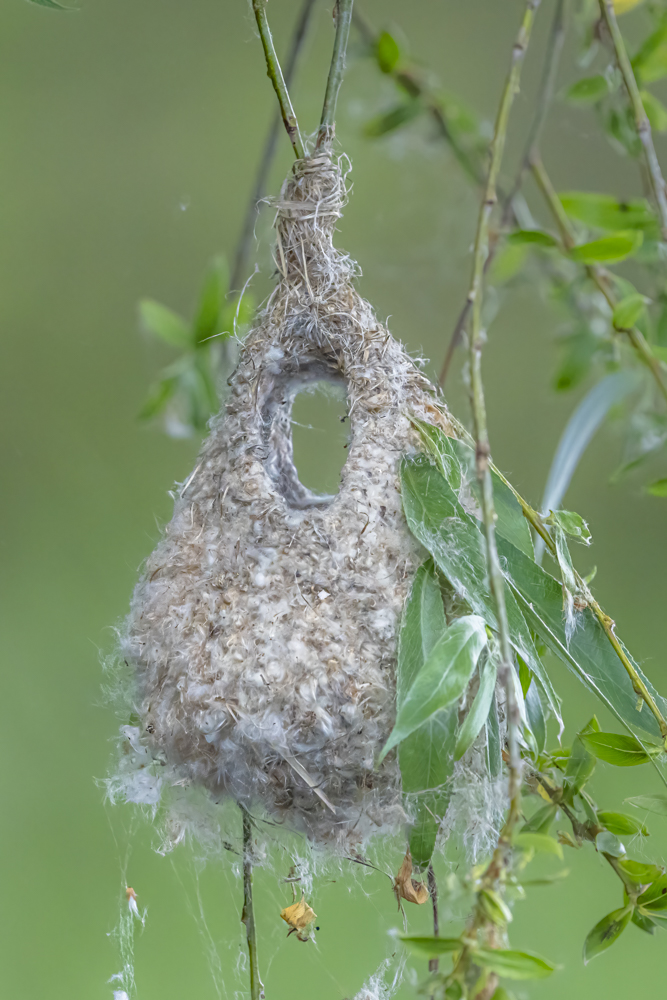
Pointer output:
x,y
263,631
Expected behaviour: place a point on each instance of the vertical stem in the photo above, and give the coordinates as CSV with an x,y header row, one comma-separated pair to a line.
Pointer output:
x,y
248,912
269,151
482,449
275,74
433,892
343,10
642,123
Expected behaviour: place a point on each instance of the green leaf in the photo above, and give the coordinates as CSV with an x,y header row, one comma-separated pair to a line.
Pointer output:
x,y
513,964
588,91
538,842
430,947
212,301
425,758
655,897
387,52
640,872
608,843
608,930
656,112
495,907
50,3
658,488
650,63
603,211
158,398
531,236
443,677
453,537
579,349
536,715
621,824
494,757
608,249
479,710
393,119
644,923
651,803
501,994
165,323
581,763
628,311
541,820
546,879
621,751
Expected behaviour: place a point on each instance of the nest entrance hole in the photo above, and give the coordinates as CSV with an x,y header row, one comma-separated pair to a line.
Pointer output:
x,y
307,430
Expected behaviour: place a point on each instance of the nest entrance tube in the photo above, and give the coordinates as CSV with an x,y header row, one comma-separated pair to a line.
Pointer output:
x,y
263,631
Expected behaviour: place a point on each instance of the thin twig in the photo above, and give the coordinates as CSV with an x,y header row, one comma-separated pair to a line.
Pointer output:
x,y
343,14
598,275
549,78
433,893
642,123
482,450
248,912
268,153
275,74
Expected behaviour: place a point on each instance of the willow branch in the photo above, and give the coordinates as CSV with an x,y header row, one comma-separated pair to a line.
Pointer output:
x,y
343,13
598,275
482,449
642,123
248,912
547,87
275,74
269,151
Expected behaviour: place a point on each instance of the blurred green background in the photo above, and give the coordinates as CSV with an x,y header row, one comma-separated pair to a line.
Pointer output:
x,y
129,134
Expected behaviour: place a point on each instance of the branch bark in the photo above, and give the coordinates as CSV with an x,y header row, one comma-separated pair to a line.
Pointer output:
x,y
275,74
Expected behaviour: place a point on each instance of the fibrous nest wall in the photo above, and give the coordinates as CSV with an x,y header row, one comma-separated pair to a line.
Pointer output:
x,y
263,630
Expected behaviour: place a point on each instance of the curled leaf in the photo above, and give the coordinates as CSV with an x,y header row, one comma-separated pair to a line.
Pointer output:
x,y
299,916
408,888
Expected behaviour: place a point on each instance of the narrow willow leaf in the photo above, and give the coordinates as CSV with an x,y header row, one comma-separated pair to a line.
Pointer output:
x,y
608,843
426,757
391,120
387,52
454,539
158,399
608,250
655,897
479,710
606,932
652,803
581,763
431,947
603,211
513,964
644,922
582,425
532,236
658,488
571,524
443,678
650,63
165,323
50,3
629,310
211,301
547,879
536,715
588,91
538,842
621,824
621,751
640,872
656,112
541,820
494,757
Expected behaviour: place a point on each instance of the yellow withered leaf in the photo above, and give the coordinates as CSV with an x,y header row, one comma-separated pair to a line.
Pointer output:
x,y
299,916
409,888
623,6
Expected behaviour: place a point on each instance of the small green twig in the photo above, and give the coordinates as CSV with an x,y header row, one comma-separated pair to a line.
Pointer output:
x,y
343,13
642,123
598,275
433,893
275,74
248,912
549,77
268,153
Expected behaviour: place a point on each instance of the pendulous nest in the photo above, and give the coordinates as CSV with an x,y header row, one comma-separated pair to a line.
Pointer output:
x,y
263,629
